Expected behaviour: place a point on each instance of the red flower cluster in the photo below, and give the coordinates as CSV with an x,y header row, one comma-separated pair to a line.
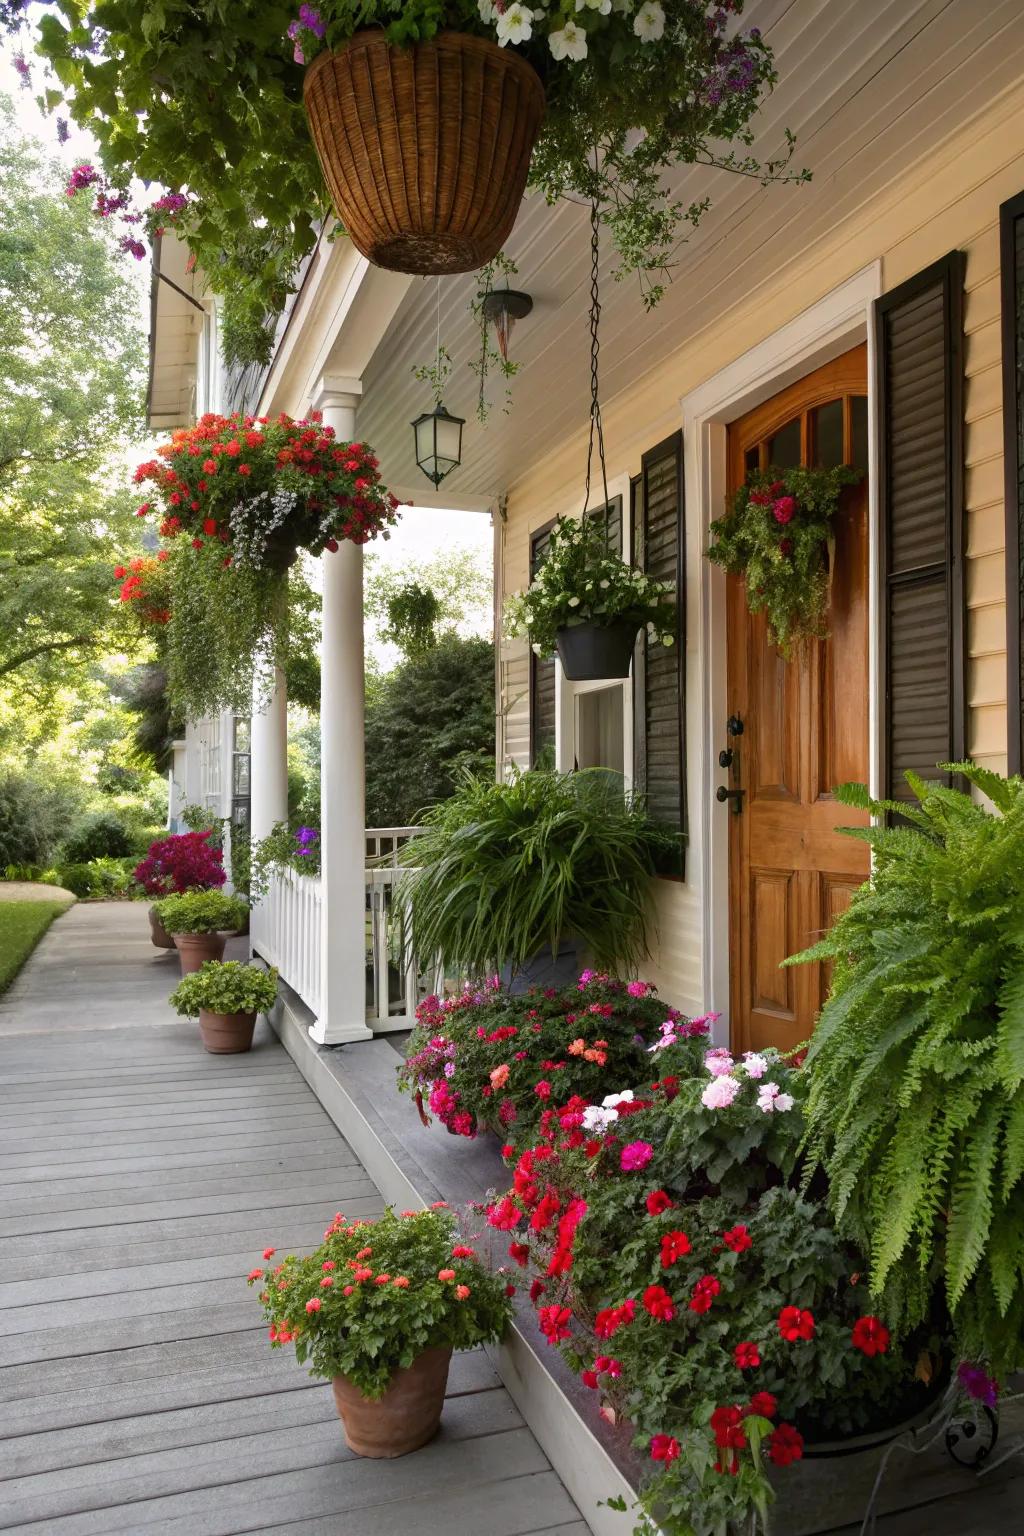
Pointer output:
x,y
182,862
795,1324
870,1336
554,1323
610,1319
143,587
207,472
659,1304
704,1293
674,1246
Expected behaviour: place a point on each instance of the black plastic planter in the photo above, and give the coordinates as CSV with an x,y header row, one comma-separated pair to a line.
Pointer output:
x,y
589,651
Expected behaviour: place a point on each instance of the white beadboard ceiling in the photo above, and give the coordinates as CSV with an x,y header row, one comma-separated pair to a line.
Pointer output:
x,y
866,85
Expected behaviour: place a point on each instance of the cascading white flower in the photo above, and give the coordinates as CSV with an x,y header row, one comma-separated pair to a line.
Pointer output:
x,y
515,25
570,42
649,22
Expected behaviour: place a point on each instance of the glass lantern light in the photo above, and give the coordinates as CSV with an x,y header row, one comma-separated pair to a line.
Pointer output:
x,y
438,442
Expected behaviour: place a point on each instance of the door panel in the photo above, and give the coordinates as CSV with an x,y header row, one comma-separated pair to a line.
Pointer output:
x,y
805,728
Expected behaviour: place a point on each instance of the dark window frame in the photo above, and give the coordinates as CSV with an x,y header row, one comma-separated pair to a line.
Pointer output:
x,y
1010,213
949,270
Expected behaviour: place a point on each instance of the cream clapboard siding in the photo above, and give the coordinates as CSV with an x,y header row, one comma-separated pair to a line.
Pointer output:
x,y
947,199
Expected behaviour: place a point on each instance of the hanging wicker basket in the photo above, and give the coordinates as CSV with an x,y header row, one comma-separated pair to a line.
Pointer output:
x,y
425,149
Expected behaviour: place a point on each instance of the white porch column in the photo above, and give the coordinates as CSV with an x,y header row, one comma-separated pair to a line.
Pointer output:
x,y
269,761
342,768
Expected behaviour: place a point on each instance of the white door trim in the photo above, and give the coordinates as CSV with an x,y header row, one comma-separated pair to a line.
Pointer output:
x,y
828,328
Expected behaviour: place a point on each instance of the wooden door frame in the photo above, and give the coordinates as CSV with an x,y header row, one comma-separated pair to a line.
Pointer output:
x,y
837,322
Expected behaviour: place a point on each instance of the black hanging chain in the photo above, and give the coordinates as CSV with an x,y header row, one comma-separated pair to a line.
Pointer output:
x,y
596,424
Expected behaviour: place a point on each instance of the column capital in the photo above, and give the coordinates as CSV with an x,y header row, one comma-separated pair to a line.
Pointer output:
x,y
335,389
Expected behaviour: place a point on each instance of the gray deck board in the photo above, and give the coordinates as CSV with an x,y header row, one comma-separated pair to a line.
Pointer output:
x,y
140,1180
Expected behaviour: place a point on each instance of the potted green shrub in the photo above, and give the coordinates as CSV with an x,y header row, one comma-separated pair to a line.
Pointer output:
x,y
227,995
503,873
916,1067
378,1309
199,923
588,605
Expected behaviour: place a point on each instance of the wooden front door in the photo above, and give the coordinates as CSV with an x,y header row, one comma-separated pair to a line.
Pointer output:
x,y
804,726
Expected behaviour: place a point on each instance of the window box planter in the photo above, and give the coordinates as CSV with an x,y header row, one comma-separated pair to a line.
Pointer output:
x,y
425,149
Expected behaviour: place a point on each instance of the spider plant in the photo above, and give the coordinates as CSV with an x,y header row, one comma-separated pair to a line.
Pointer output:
x,y
502,870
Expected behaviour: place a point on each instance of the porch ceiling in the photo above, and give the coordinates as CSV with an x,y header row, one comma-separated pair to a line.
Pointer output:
x,y
866,87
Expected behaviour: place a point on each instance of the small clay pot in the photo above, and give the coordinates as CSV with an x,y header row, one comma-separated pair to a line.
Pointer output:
x,y
408,1414
157,932
226,1034
196,948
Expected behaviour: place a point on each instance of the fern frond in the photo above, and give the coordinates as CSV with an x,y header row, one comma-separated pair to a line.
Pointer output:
x,y
970,1213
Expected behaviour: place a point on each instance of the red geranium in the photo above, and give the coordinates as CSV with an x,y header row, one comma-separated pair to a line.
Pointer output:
x,y
738,1239
795,1323
785,1445
747,1356
664,1448
704,1293
659,1304
658,1202
554,1323
764,1405
870,1336
674,1246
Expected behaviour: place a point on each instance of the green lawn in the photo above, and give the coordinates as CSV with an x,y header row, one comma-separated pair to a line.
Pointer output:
x,y
22,925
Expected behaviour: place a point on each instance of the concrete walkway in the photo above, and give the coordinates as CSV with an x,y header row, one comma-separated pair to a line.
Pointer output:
x,y
141,1180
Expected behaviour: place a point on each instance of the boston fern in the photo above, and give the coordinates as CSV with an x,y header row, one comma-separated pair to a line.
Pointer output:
x,y
775,535
501,870
916,1105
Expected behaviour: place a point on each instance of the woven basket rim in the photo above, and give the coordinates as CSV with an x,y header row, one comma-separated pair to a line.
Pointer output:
x,y
448,40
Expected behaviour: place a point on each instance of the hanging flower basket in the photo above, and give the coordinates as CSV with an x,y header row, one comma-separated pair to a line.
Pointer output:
x,y
425,149
778,534
588,605
591,651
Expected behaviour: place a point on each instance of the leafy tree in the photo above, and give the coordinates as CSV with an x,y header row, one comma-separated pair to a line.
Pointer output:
x,y
428,718
71,371
413,612
458,580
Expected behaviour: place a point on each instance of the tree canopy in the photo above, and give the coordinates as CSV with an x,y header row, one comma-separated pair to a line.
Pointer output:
x,y
71,373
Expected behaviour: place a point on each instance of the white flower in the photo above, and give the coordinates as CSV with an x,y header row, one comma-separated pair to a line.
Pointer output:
x,y
754,1065
770,1101
535,648
601,6
613,1100
569,43
783,1101
515,25
622,7
595,1119
720,1093
605,585
574,602
649,22
486,9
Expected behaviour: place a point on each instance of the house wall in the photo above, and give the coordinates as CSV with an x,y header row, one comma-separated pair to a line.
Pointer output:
x,y
949,199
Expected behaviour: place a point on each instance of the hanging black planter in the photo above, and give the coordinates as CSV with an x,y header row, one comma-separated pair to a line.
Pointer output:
x,y
589,652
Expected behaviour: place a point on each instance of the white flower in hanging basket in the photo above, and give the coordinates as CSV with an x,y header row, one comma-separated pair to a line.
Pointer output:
x,y
649,23
515,25
569,43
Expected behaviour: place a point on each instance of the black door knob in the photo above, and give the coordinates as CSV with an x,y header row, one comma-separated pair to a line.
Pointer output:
x,y
734,725
725,757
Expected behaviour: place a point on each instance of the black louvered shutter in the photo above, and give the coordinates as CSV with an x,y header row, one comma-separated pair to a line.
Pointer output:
x,y
919,360
610,517
1011,231
658,701
542,674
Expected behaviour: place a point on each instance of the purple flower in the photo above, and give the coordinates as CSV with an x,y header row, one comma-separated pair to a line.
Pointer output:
x,y
62,130
132,247
977,1383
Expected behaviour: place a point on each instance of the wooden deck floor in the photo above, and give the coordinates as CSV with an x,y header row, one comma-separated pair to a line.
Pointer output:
x,y
141,1180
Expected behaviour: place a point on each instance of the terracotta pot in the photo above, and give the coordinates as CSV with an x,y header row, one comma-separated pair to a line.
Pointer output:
x,y
405,1418
196,948
590,651
225,1034
426,148
157,932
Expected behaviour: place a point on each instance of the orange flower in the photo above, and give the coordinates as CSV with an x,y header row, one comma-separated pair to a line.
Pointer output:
x,y
402,1281
577,1048
462,1291
446,1274
499,1077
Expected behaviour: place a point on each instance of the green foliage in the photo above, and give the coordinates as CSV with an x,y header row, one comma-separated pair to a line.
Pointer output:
x,y
460,579
34,814
382,1327
98,878
583,582
775,535
413,612
201,912
427,721
494,1060
916,1110
22,925
246,329
501,870
71,371
210,98
282,848
225,986
101,835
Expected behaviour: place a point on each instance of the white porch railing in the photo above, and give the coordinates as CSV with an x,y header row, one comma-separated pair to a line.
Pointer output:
x,y
286,931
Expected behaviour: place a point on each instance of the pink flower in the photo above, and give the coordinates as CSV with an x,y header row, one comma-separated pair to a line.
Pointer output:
x,y
784,509
638,988
314,1304
719,1062
499,1077
268,1253
720,1093
635,1156
462,1291
446,1274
